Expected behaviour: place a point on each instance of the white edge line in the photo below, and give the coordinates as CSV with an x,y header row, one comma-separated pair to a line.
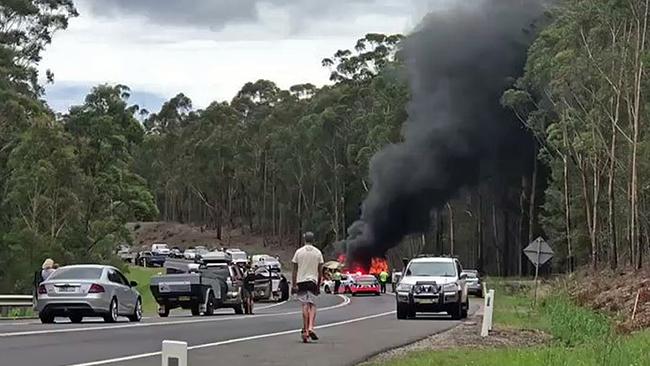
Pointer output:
x,y
230,341
345,302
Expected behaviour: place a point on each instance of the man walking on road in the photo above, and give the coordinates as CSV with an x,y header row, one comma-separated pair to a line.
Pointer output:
x,y
306,279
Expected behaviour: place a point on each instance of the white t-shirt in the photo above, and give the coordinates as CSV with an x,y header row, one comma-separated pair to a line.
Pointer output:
x,y
307,258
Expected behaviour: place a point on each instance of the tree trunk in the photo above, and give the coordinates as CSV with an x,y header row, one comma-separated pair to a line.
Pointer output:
x,y
495,238
611,219
567,213
451,229
479,233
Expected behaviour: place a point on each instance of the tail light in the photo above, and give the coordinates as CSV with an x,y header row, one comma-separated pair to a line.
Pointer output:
x,y
42,290
95,289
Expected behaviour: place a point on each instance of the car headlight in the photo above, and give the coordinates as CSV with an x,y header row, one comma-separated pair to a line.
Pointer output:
x,y
450,287
404,287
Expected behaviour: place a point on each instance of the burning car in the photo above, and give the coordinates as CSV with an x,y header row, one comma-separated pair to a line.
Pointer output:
x,y
364,284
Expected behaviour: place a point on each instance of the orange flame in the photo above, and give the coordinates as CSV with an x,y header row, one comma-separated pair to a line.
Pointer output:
x,y
378,265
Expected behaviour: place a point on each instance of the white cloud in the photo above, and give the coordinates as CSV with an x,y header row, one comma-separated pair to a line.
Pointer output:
x,y
210,65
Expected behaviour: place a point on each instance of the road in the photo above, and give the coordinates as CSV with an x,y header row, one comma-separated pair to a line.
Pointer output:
x,y
351,330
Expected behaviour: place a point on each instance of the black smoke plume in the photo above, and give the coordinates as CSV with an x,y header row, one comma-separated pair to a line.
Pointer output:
x,y
460,61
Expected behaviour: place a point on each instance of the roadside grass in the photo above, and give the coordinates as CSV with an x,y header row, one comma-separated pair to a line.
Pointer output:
x,y
143,276
581,337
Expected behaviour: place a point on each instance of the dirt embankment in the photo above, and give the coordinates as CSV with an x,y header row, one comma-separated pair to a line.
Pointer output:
x,y
615,293
184,236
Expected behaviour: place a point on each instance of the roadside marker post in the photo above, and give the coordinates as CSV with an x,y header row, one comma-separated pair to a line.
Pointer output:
x,y
538,252
488,309
174,353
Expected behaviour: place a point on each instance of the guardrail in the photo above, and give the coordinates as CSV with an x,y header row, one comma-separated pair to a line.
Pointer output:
x,y
15,301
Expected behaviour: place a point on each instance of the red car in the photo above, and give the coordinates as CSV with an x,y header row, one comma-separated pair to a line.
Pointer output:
x,y
365,284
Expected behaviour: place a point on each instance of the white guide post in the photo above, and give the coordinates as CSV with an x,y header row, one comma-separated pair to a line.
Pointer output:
x,y
174,353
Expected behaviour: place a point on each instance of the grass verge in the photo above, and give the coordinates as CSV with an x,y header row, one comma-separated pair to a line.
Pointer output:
x,y
581,337
143,276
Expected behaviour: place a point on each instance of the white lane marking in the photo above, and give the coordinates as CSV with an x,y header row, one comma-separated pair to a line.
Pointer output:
x,y
345,302
230,341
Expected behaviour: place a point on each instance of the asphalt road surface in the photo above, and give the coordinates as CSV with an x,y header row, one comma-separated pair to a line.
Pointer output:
x,y
351,330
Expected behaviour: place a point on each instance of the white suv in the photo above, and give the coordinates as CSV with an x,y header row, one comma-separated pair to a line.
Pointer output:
x,y
432,284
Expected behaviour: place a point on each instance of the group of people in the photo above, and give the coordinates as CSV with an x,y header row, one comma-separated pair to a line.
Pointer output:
x,y
336,277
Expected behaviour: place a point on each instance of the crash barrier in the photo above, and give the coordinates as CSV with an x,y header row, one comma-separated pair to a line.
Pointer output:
x,y
488,311
8,302
174,353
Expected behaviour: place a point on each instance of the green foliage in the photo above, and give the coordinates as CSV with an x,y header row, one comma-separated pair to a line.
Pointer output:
x,y
143,277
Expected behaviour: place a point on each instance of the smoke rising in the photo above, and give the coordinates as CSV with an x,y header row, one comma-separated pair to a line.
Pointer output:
x,y
460,61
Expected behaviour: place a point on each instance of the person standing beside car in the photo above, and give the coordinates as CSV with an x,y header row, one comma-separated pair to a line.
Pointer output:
x,y
249,290
306,279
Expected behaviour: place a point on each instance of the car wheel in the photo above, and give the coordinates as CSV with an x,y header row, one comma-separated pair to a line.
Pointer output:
x,y
465,311
402,311
137,312
46,318
76,318
239,309
284,287
112,315
163,313
209,307
377,293
327,290
195,310
456,311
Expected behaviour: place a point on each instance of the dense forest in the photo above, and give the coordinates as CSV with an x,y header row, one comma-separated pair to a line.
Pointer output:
x,y
274,162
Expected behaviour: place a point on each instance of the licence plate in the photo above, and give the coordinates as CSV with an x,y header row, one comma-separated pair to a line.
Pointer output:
x,y
425,301
68,289
183,298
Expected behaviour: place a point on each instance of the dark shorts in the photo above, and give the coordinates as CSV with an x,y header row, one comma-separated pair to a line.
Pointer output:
x,y
307,292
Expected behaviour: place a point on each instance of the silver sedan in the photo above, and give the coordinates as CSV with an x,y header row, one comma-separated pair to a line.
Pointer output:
x,y
88,290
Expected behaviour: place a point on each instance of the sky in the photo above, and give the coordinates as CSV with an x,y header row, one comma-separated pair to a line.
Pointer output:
x,y
208,49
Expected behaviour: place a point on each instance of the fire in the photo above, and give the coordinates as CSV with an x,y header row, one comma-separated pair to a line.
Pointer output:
x,y
377,265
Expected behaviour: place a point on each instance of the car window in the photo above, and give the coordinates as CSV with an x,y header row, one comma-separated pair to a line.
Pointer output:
x,y
114,277
123,279
76,273
439,269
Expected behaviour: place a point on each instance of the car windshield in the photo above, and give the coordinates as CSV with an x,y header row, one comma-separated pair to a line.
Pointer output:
x,y
440,269
76,273
471,274
366,279
238,255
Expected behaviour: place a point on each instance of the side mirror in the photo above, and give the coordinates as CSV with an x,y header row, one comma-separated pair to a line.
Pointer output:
x,y
133,284
463,276
408,273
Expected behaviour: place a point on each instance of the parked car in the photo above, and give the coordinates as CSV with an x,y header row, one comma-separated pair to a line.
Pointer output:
x,y
238,256
160,249
474,284
149,259
189,254
125,253
363,284
216,283
270,284
265,260
432,284
80,291
176,252
346,285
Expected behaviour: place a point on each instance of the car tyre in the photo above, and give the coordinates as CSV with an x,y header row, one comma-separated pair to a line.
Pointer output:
x,y
164,313
402,311
195,310
46,318
327,290
464,312
239,309
209,307
137,312
377,293
456,311
112,315
284,288
76,318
